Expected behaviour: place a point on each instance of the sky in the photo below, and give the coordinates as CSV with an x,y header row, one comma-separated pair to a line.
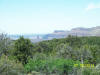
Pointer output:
x,y
45,16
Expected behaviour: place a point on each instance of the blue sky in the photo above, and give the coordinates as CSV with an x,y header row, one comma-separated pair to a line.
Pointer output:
x,y
45,16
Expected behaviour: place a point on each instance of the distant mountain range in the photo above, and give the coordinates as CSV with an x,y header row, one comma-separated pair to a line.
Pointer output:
x,y
80,31
94,31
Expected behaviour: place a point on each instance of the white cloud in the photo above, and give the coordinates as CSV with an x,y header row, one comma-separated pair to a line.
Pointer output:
x,y
92,6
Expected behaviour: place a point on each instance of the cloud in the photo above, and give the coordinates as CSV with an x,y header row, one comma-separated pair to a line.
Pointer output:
x,y
92,6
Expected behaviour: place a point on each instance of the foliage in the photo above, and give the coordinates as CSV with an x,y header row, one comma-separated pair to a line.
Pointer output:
x,y
56,56
65,51
23,49
5,43
51,66
10,67
88,71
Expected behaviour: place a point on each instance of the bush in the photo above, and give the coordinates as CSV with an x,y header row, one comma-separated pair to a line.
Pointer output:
x,y
51,66
10,67
23,50
88,71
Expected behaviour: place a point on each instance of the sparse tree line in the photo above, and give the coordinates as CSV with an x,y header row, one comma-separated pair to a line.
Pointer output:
x,y
51,57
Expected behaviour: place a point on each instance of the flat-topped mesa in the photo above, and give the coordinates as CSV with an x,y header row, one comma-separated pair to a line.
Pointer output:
x,y
79,31
80,28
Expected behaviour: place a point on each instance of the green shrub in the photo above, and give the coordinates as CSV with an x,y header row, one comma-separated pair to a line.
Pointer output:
x,y
95,72
10,67
50,66
88,71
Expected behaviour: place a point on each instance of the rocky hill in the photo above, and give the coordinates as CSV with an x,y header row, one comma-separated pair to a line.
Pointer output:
x,y
94,31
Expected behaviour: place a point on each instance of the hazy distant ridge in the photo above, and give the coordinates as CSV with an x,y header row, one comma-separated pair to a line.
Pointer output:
x,y
80,31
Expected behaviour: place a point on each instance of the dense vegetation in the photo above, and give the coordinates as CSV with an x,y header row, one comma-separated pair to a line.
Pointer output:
x,y
52,57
